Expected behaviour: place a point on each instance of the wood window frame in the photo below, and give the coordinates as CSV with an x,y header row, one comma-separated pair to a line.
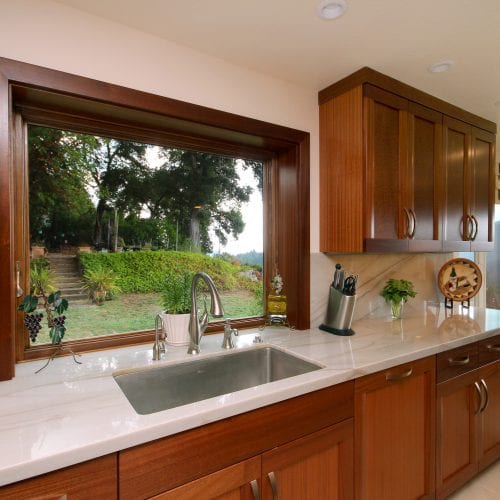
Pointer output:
x,y
41,96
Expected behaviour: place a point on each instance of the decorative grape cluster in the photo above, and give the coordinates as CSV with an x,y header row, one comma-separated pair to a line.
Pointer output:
x,y
59,321
32,322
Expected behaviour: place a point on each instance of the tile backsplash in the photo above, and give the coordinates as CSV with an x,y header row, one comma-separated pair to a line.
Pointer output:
x,y
374,270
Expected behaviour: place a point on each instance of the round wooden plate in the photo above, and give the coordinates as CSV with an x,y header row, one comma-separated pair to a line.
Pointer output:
x,y
465,284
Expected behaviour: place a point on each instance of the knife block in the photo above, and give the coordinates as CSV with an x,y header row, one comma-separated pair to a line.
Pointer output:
x,y
339,313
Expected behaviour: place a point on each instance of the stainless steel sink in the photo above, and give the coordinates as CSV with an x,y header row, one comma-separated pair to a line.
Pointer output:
x,y
156,389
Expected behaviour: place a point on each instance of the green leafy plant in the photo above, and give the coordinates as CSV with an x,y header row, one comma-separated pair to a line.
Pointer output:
x,y
176,294
398,290
100,284
41,278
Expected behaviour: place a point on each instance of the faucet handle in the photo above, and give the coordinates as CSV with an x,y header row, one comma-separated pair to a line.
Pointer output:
x,y
227,342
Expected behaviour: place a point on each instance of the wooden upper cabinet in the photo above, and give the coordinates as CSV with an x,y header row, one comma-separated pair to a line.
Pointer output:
x,y
469,187
399,172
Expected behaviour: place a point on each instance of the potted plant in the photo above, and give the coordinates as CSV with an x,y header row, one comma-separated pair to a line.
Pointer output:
x,y
37,249
100,284
176,302
396,292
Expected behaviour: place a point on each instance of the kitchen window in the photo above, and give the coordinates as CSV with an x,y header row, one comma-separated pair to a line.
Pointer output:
x,y
37,96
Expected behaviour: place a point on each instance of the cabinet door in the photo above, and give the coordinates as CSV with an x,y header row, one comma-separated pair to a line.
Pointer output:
x,y
318,466
482,190
459,401
386,130
489,445
456,159
237,482
394,433
424,179
96,479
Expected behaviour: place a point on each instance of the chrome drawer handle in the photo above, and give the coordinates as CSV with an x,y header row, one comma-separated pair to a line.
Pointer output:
x,y
493,348
394,377
480,393
486,395
255,489
274,486
414,218
459,362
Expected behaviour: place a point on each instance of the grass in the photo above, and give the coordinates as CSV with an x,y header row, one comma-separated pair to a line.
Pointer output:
x,y
135,312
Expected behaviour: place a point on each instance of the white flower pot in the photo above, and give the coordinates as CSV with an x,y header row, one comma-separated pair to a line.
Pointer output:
x,y
176,328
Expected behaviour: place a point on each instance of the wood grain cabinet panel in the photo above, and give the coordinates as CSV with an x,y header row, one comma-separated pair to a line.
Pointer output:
x,y
95,479
469,187
394,433
319,466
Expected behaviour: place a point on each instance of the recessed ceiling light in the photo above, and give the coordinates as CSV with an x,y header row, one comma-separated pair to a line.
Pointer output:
x,y
331,9
441,67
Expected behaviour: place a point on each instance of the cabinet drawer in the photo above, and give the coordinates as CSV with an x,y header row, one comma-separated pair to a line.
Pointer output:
x,y
456,362
489,350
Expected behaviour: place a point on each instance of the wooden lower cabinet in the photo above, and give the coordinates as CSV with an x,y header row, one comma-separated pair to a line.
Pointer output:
x,y
95,479
468,430
318,467
394,433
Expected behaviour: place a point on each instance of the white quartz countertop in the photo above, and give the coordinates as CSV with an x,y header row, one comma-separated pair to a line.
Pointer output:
x,y
70,413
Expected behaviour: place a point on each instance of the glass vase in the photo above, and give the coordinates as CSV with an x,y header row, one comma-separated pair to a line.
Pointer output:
x,y
396,309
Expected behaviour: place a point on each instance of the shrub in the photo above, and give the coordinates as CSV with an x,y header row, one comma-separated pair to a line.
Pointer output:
x,y
146,271
100,284
176,294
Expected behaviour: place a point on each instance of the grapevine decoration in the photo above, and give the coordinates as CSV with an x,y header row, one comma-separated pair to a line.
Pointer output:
x,y
54,306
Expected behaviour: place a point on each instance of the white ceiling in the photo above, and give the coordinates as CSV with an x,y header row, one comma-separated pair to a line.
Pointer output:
x,y
286,39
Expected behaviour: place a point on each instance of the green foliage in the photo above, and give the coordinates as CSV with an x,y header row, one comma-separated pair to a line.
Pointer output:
x,y
41,277
145,271
100,284
398,290
176,294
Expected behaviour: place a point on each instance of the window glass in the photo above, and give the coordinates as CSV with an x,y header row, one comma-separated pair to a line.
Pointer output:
x,y
118,227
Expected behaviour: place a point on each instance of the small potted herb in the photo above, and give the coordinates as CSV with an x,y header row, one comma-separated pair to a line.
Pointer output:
x,y
176,302
396,292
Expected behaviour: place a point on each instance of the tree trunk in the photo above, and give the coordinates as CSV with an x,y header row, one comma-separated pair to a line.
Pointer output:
x,y
194,229
101,207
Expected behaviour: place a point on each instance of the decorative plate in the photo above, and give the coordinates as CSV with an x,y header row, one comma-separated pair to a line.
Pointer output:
x,y
460,279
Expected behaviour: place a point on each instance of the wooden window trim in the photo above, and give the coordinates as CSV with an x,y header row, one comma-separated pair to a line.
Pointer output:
x,y
47,97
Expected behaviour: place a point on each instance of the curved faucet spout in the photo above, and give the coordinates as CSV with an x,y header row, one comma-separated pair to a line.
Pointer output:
x,y
197,327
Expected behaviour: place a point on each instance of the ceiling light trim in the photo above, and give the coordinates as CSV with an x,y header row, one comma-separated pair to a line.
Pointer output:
x,y
331,9
441,66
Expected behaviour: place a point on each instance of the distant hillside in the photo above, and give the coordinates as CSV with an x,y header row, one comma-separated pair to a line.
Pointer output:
x,y
251,258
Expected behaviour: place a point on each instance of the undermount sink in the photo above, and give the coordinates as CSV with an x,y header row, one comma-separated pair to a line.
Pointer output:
x,y
156,389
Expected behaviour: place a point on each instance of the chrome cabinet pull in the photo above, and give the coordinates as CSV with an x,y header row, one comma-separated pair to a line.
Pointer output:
x,y
493,348
480,393
274,485
486,395
394,377
408,223
459,362
469,228
414,223
19,291
255,489
475,228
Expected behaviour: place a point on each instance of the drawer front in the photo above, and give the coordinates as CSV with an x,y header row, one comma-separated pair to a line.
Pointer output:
x,y
489,350
456,362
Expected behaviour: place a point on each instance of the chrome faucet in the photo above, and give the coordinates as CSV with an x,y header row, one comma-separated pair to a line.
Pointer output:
x,y
159,345
229,331
198,326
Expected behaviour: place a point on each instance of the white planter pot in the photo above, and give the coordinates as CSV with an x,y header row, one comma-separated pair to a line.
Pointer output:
x,y
176,328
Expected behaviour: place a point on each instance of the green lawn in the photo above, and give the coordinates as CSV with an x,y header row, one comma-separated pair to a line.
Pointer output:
x,y
135,312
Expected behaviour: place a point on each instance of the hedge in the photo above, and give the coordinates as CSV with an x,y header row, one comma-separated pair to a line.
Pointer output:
x,y
144,271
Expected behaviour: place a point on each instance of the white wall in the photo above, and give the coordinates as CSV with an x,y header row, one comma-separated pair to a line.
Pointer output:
x,y
48,34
